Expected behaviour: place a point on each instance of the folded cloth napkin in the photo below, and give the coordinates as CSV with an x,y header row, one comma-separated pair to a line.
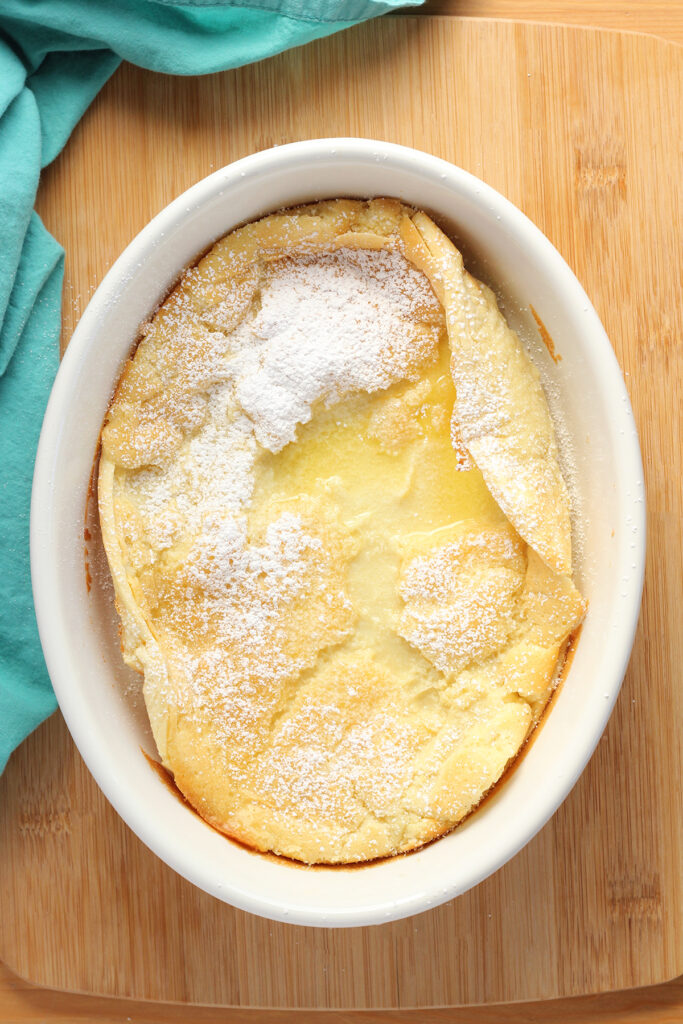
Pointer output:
x,y
54,57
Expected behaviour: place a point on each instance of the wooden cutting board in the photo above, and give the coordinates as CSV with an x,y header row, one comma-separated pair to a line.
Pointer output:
x,y
582,130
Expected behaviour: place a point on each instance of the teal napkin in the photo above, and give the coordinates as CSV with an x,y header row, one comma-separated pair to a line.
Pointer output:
x,y
55,55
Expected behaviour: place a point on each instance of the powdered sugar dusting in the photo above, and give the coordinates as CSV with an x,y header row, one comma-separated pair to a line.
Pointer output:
x,y
327,327
226,566
322,759
244,587
213,472
461,598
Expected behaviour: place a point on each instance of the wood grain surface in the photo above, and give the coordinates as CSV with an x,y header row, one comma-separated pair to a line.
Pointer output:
x,y
656,17
581,130
21,1003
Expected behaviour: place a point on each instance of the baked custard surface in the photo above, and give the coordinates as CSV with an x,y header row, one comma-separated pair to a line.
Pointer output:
x,y
339,536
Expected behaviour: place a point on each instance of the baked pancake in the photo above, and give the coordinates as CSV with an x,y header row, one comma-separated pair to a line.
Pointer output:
x,y
338,533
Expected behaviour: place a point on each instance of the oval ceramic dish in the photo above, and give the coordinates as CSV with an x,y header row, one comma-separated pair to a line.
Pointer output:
x,y
597,433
